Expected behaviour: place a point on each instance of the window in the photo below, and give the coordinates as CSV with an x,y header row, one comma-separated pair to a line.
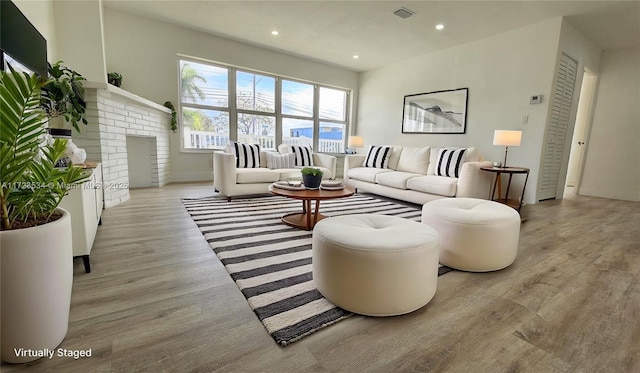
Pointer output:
x,y
333,120
255,102
204,96
219,104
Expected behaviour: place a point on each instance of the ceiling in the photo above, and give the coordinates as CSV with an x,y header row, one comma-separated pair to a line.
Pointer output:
x,y
334,31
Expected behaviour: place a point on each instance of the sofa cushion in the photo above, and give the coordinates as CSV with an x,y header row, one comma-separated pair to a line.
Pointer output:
x,y
450,162
471,155
256,175
277,160
247,156
395,179
303,156
415,160
396,152
439,185
367,174
377,156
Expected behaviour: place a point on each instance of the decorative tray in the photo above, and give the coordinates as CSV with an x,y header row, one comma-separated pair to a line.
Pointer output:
x,y
331,187
288,186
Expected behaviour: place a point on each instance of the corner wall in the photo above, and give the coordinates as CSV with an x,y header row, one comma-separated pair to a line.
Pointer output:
x,y
611,168
501,72
145,52
588,55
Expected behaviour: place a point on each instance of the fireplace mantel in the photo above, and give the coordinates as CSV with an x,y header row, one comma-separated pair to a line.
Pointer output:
x,y
126,94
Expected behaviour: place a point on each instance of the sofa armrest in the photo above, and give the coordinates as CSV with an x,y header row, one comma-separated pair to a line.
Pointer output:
x,y
327,161
473,182
224,171
352,161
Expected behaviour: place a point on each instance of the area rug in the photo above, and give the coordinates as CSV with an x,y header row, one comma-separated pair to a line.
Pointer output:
x,y
271,262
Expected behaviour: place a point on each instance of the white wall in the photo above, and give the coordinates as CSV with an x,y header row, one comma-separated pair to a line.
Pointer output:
x,y
611,167
501,72
145,52
40,14
583,50
78,26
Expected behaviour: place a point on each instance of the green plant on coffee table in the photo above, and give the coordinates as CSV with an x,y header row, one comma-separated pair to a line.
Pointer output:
x,y
312,171
31,187
63,95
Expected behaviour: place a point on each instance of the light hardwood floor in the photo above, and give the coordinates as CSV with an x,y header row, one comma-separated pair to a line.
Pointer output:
x,y
158,299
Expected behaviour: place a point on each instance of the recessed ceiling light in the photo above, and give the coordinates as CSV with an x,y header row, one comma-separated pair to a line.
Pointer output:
x,y
274,32
439,26
355,56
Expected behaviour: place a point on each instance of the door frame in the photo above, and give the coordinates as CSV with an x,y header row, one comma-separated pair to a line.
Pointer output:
x,y
588,121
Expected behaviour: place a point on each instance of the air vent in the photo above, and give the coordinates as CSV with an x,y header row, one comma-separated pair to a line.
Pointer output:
x,y
404,13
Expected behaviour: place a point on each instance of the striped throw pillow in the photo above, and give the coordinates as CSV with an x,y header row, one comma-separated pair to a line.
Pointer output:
x,y
377,156
303,155
450,162
247,156
276,160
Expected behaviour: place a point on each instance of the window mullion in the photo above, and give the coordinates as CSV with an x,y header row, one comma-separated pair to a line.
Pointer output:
x,y
204,107
316,115
233,105
278,104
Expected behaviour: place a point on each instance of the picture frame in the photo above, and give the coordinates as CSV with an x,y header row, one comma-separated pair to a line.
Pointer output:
x,y
436,112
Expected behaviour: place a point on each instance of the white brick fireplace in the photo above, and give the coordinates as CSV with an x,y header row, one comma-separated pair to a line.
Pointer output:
x,y
113,115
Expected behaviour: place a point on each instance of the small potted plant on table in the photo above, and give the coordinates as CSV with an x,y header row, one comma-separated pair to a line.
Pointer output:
x,y
114,79
311,177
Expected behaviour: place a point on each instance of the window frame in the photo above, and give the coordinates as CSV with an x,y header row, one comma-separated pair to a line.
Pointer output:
x,y
233,109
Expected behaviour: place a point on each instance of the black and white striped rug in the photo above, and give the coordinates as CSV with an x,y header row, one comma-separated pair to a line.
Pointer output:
x,y
271,262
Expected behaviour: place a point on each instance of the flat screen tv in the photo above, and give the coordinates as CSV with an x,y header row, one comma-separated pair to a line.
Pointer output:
x,y
20,42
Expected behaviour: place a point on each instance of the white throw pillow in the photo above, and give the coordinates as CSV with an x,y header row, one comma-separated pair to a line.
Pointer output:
x,y
247,156
414,160
450,162
377,157
276,160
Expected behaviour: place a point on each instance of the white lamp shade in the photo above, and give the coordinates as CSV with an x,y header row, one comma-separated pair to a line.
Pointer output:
x,y
507,138
355,142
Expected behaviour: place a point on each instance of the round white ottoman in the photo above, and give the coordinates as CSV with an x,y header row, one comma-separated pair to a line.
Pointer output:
x,y
375,265
476,235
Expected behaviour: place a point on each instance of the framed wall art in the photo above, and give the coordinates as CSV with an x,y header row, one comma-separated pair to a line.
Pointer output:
x,y
436,112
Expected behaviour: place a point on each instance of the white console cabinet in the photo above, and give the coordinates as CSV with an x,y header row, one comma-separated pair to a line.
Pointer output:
x,y
84,202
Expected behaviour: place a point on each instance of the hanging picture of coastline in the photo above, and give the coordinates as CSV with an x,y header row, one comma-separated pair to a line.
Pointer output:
x,y
436,112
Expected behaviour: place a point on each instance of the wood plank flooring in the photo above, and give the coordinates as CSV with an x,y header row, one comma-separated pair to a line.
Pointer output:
x,y
158,299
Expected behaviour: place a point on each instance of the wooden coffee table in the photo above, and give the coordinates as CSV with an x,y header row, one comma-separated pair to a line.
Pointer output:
x,y
307,219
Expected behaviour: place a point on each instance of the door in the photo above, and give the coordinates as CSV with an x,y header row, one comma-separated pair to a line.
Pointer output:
x,y
553,155
579,141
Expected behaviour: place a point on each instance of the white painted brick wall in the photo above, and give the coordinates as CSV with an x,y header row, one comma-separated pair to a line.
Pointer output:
x,y
112,118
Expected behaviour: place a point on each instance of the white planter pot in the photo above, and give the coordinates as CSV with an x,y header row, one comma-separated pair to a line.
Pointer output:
x,y
37,275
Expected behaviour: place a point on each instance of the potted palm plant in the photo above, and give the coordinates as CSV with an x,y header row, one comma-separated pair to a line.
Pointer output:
x,y
35,235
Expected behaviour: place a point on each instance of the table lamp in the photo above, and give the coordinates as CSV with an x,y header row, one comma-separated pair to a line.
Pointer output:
x,y
506,139
354,142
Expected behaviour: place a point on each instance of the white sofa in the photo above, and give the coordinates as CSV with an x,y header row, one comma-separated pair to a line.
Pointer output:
x,y
231,181
411,176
